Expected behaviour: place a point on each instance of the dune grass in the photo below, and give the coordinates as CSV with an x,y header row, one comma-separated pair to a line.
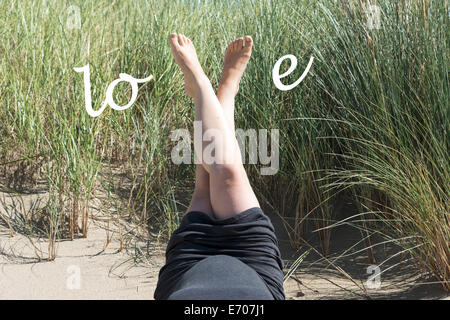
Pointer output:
x,y
370,120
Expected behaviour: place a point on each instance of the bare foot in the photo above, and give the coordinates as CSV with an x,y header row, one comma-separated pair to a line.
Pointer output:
x,y
237,56
184,53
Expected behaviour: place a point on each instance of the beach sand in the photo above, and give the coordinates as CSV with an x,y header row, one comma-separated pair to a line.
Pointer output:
x,y
103,274
85,269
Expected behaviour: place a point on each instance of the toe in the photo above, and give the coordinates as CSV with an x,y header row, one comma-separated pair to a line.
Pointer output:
x,y
180,39
235,44
248,41
240,43
230,46
185,39
174,39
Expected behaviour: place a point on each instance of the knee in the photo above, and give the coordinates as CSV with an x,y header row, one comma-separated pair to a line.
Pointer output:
x,y
228,173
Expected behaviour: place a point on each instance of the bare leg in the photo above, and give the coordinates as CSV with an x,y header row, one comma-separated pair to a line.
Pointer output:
x,y
230,190
235,62
201,197
237,56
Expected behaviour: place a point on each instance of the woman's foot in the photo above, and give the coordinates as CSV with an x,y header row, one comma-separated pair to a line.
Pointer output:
x,y
184,53
237,56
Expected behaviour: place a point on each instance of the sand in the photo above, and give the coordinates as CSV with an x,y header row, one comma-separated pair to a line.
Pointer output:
x,y
102,274
85,269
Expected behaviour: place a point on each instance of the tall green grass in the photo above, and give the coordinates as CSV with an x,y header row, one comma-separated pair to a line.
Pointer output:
x,y
370,120
390,88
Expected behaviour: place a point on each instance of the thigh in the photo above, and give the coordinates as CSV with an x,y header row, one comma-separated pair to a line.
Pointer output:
x,y
201,197
200,202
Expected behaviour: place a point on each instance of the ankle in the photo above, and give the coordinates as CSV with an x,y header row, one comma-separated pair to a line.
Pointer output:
x,y
201,80
228,88
200,84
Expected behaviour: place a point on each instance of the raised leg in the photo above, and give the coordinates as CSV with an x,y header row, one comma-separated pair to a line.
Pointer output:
x,y
230,190
201,197
236,58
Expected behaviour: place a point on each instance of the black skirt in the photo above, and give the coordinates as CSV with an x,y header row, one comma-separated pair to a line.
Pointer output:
x,y
248,236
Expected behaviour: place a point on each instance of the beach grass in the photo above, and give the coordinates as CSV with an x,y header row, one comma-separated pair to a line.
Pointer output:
x,y
370,121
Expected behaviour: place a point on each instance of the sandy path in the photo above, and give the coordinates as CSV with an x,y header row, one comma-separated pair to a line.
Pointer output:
x,y
83,270
110,274
102,275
